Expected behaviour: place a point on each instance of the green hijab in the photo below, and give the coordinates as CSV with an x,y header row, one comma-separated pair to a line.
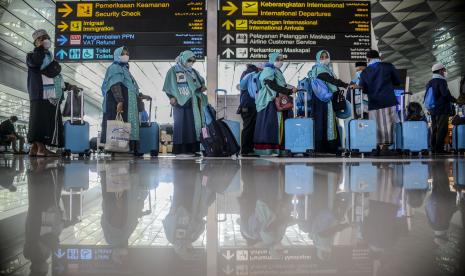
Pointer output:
x,y
270,72
183,83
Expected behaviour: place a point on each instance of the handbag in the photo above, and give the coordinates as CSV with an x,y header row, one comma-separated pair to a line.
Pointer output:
x,y
52,70
339,101
118,134
283,102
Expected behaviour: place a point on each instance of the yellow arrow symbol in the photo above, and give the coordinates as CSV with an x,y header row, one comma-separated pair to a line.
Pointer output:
x,y
228,25
231,8
63,26
67,10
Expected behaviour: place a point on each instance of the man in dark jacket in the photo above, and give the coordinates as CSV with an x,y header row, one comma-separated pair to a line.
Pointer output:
x,y
443,107
9,135
248,112
378,81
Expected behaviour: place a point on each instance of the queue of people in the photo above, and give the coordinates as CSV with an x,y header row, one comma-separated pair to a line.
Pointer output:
x,y
261,111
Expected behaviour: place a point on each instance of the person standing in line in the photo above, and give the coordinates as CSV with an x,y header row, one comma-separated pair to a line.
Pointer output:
x,y
443,108
185,88
378,81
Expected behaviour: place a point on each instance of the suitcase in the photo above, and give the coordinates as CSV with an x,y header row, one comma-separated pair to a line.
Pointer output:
x,y
298,179
77,132
459,173
149,136
414,176
410,136
298,132
75,183
361,134
362,177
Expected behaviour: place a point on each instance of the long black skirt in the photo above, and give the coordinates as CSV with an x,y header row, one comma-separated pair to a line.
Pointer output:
x,y
184,134
45,124
322,144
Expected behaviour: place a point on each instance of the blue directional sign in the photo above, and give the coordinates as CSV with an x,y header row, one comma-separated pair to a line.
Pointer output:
x,y
62,40
88,53
74,53
61,54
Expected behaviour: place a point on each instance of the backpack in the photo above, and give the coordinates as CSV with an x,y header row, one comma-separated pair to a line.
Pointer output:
x,y
429,101
251,83
321,90
304,84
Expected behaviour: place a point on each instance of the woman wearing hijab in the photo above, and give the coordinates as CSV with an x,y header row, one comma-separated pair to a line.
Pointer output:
x,y
269,128
120,92
45,95
184,87
326,131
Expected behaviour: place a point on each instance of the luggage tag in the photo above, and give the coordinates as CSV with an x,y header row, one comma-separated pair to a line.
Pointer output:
x,y
205,133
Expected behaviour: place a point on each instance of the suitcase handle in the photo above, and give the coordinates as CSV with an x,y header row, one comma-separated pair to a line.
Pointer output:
x,y
218,90
72,105
305,103
150,112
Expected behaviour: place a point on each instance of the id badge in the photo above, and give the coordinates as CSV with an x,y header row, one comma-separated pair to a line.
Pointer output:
x,y
181,77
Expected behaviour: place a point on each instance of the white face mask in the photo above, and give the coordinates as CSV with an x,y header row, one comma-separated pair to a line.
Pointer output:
x,y
326,61
278,64
124,59
445,74
47,43
189,64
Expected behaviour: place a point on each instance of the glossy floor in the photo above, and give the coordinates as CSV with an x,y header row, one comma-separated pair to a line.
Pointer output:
x,y
232,217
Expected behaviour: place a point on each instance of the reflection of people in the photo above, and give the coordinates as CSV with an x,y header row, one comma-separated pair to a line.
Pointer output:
x,y
44,221
441,204
264,207
8,174
185,88
122,204
8,134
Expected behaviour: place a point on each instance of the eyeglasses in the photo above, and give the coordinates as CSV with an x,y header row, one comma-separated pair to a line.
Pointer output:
x,y
191,60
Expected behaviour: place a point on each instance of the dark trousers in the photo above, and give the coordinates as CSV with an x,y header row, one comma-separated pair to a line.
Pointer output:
x,y
249,117
440,125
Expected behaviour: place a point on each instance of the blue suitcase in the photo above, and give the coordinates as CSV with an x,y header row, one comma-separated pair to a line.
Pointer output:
x,y
459,173
411,136
298,179
414,175
299,132
76,132
149,136
458,138
361,134
362,177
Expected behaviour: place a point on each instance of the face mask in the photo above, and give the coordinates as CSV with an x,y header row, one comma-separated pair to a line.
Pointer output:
x,y
445,74
47,43
278,64
326,61
124,59
189,64
358,74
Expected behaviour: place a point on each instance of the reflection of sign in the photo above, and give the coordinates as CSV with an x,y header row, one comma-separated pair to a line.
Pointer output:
x,y
72,254
84,10
242,255
152,30
298,29
86,254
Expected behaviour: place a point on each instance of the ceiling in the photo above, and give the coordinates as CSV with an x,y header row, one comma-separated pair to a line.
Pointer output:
x,y
412,34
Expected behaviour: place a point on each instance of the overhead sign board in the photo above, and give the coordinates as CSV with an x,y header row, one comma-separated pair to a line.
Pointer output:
x,y
250,30
152,30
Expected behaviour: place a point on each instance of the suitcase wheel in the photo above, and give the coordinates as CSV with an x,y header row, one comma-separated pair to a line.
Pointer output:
x,y
154,153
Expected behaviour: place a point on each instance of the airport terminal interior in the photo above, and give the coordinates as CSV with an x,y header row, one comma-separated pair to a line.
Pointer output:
x,y
205,188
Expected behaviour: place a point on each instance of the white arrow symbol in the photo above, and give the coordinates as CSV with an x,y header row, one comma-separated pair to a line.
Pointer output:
x,y
228,52
228,270
60,253
228,255
228,38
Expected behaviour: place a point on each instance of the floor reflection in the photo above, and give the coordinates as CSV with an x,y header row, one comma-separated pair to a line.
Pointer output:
x,y
261,217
